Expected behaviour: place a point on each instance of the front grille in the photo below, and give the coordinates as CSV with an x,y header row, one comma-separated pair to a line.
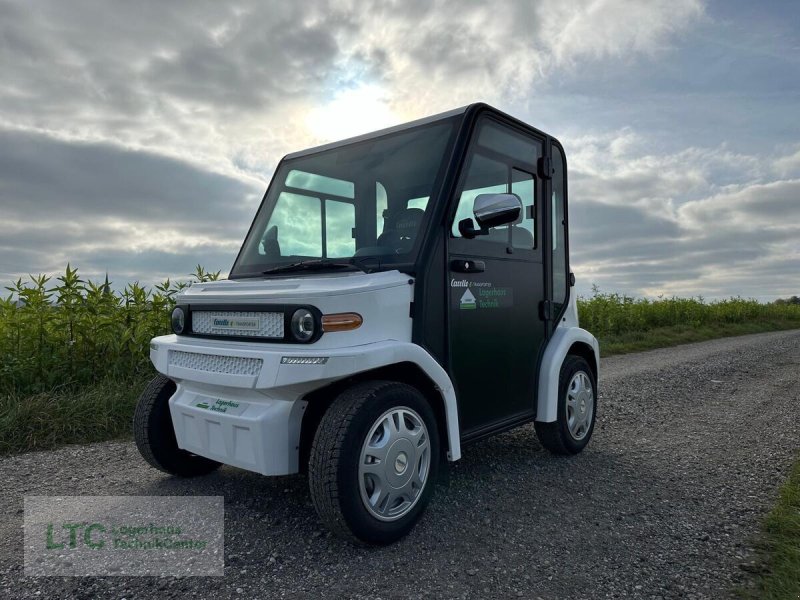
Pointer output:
x,y
214,363
238,323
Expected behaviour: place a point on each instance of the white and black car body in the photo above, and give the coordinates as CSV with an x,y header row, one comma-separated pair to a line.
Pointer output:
x,y
478,320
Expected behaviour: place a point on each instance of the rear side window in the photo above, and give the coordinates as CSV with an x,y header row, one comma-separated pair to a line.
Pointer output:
x,y
559,225
340,220
297,223
320,184
381,204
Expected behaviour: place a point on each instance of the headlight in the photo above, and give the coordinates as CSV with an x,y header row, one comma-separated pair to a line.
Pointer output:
x,y
178,320
304,325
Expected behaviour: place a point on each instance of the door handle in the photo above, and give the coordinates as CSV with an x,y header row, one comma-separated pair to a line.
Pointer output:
x,y
468,266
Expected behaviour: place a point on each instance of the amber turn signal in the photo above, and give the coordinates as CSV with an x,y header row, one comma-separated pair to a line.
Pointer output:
x,y
341,322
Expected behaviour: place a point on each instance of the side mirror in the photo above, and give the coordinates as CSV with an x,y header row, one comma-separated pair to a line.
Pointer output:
x,y
493,210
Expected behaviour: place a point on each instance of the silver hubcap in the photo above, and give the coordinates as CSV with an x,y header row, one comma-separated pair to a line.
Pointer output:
x,y
394,464
580,405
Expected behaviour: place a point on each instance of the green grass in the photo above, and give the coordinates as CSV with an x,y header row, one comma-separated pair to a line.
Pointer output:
x,y
44,420
780,578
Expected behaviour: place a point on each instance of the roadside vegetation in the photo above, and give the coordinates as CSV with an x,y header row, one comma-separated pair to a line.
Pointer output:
x,y
780,546
74,356
74,353
626,324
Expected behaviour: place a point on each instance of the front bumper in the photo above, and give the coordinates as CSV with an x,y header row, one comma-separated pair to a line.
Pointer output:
x,y
250,431
240,403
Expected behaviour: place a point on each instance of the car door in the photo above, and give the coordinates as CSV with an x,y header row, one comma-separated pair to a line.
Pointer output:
x,y
496,284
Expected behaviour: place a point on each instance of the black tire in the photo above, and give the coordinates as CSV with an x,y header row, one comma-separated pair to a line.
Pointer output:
x,y
155,436
556,436
336,451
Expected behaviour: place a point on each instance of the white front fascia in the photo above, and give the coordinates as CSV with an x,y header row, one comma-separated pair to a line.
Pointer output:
x,y
261,433
566,334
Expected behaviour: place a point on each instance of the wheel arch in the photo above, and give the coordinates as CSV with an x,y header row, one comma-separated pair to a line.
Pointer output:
x,y
407,372
586,352
565,341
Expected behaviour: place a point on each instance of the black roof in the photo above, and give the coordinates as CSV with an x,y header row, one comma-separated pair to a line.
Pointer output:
x,y
380,132
472,108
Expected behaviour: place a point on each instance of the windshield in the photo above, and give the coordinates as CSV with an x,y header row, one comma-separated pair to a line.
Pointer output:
x,y
367,199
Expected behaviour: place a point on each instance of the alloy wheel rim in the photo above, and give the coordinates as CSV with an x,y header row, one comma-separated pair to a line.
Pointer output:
x,y
580,405
394,464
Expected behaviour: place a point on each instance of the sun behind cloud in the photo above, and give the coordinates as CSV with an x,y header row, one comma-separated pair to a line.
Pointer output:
x,y
351,112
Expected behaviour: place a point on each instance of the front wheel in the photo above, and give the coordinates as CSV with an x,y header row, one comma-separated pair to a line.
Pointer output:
x,y
573,427
374,461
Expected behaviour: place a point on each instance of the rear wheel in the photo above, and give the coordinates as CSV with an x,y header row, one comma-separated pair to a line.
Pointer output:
x,y
573,427
155,435
374,461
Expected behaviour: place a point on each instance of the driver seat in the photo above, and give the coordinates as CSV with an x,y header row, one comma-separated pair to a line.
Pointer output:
x,y
400,230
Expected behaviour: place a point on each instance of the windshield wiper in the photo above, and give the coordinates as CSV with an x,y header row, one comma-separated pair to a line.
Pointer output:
x,y
315,264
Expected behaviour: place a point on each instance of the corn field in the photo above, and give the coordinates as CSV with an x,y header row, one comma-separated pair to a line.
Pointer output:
x,y
68,333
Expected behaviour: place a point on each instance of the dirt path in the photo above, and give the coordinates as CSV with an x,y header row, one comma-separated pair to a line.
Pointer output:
x,y
690,447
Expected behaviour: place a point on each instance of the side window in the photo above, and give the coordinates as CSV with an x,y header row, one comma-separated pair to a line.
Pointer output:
x,y
498,165
320,184
522,184
420,203
559,231
298,220
381,204
340,221
485,176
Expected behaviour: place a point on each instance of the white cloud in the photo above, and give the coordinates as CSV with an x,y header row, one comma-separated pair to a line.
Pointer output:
x,y
788,166
232,86
598,29
705,221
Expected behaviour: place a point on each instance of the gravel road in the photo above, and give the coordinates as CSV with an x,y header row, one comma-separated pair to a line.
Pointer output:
x,y
690,447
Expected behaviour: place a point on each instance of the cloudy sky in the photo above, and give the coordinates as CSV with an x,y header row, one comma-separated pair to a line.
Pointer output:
x,y
138,137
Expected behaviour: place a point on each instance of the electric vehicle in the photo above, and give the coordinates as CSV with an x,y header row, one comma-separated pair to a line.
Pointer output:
x,y
399,296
